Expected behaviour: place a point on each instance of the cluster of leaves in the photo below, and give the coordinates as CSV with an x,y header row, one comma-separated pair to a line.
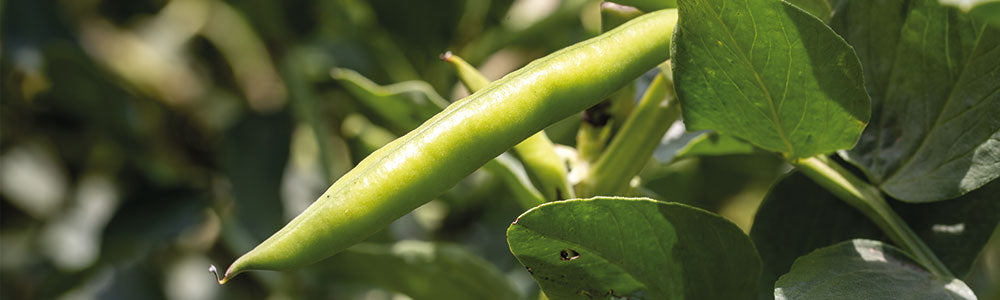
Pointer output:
x,y
795,78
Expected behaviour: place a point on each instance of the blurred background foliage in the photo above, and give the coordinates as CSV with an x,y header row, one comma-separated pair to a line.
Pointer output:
x,y
142,140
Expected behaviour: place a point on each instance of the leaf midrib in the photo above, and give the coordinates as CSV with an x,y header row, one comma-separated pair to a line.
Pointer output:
x,y
948,100
775,120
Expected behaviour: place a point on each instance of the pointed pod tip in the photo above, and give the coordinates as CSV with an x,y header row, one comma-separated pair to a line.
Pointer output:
x,y
446,56
215,271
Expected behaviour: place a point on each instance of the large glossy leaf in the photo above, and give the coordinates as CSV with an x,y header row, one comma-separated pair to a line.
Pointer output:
x,y
798,216
864,269
767,72
635,248
935,85
424,270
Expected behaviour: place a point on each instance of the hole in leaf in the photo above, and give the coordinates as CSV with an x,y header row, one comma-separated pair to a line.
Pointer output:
x,y
568,254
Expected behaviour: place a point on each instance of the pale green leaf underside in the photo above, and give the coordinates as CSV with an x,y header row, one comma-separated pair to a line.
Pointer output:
x,y
678,144
423,270
636,248
712,143
769,73
934,77
864,269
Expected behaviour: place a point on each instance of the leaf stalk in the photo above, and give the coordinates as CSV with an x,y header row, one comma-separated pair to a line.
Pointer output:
x,y
632,147
869,201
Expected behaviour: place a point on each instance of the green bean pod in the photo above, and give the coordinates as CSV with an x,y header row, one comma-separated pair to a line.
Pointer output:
x,y
601,120
546,169
365,137
424,163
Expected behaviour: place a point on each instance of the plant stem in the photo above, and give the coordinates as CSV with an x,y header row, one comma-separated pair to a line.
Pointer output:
x,y
869,201
634,144
592,136
600,120
506,168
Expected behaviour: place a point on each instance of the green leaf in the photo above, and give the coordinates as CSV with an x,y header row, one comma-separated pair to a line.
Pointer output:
x,y
769,73
956,230
403,105
424,270
864,269
713,143
821,9
935,86
798,216
679,144
987,10
633,247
